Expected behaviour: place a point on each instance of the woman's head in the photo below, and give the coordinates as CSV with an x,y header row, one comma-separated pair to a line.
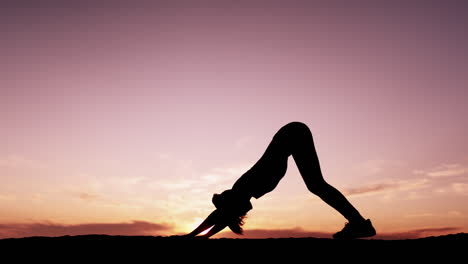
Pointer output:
x,y
233,209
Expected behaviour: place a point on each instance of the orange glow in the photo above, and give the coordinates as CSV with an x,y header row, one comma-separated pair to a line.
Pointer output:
x,y
112,116
206,231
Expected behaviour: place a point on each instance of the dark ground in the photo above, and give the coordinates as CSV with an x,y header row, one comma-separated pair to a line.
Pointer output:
x,y
449,248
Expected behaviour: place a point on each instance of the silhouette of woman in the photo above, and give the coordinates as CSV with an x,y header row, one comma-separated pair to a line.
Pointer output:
x,y
292,139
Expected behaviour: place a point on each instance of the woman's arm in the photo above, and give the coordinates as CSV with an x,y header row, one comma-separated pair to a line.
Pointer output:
x,y
216,228
209,222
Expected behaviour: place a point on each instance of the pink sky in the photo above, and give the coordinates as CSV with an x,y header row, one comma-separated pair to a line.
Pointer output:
x,y
129,117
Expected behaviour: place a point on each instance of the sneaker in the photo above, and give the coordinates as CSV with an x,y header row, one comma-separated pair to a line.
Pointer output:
x,y
356,230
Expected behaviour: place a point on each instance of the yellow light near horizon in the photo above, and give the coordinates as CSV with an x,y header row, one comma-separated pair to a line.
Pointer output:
x,y
205,232
195,224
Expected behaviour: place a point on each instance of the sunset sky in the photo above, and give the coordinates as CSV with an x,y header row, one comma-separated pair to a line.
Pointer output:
x,y
125,117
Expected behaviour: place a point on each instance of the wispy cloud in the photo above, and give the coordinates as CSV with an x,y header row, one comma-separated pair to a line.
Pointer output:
x,y
7,197
423,178
370,188
180,184
448,214
418,233
444,170
87,196
455,213
460,188
17,161
377,166
420,215
299,232
388,185
213,178
56,229
276,233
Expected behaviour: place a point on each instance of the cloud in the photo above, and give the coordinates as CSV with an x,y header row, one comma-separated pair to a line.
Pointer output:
x,y
213,179
276,233
299,232
419,215
369,189
377,166
418,233
15,161
7,197
449,214
460,188
180,184
455,213
389,185
86,196
444,170
55,229
136,228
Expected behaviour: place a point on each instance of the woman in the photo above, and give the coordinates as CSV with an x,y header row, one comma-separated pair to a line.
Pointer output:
x,y
293,139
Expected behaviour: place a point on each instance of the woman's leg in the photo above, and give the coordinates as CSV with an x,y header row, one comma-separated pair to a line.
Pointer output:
x,y
293,139
299,139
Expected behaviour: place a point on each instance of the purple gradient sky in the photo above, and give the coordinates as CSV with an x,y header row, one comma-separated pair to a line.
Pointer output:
x,y
115,112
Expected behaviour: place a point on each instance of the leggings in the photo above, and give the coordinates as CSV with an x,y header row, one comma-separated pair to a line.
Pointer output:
x,y
292,139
